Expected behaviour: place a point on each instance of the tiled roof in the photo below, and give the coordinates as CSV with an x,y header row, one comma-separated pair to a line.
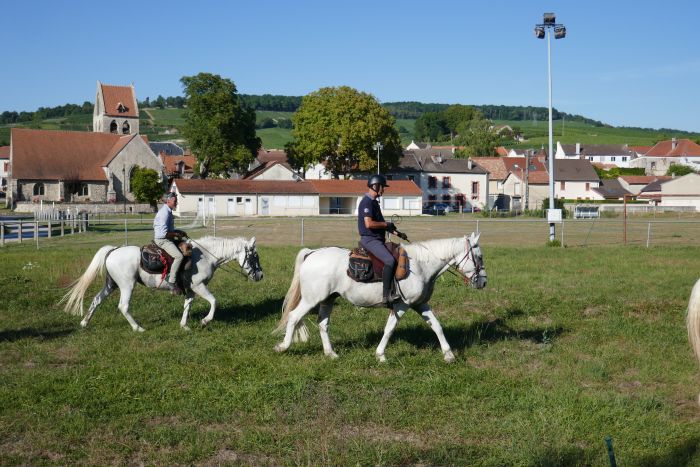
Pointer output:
x,y
264,167
438,161
4,152
494,165
359,187
63,155
642,179
328,187
500,167
641,149
684,147
598,149
168,148
114,95
611,189
501,151
170,162
574,170
269,155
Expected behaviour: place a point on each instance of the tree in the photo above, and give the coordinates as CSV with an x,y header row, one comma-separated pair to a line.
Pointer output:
x,y
456,115
430,126
478,139
146,186
339,126
679,170
218,127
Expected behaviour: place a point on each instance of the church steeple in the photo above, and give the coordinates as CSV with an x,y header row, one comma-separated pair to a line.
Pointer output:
x,y
116,110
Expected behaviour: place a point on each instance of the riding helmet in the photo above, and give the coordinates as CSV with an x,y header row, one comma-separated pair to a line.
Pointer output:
x,y
377,179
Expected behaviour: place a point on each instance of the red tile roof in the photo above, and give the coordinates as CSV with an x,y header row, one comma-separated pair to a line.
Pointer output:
x,y
359,187
643,179
271,155
170,162
63,155
684,147
115,95
640,149
501,151
4,152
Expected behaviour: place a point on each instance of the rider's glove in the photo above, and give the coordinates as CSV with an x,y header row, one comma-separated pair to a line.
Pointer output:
x,y
402,235
390,227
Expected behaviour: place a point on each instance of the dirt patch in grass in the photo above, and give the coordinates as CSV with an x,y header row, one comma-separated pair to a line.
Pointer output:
x,y
231,457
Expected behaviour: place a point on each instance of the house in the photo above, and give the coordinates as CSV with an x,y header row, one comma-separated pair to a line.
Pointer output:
x,y
659,158
681,191
267,158
636,183
166,147
511,194
178,166
460,183
617,155
47,165
289,198
4,167
116,110
575,179
612,189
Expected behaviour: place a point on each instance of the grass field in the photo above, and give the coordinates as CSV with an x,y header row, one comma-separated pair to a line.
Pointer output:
x,y
564,347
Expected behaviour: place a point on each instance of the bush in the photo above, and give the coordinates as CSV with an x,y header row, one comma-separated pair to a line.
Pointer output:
x,y
146,186
554,243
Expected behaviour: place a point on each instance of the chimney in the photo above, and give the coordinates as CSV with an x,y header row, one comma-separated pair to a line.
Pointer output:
x,y
674,143
470,164
578,149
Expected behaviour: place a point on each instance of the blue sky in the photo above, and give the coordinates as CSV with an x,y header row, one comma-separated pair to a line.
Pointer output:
x,y
631,63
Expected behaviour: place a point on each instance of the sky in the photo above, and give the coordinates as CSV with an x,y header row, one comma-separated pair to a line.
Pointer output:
x,y
626,63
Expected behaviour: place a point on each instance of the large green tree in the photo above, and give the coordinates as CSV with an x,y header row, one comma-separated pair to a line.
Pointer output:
x,y
219,128
340,125
430,127
146,185
679,170
478,139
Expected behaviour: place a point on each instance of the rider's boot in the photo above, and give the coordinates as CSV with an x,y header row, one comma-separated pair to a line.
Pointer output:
x,y
387,277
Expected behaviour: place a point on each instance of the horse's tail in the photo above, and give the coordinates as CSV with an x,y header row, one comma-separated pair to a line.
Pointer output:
x,y
74,298
693,321
292,299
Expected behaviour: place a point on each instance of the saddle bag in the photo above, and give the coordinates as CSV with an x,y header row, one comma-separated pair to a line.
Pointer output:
x,y
360,266
153,258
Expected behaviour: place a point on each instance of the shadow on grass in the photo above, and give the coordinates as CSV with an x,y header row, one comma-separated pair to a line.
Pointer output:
x,y
254,312
684,453
11,335
463,337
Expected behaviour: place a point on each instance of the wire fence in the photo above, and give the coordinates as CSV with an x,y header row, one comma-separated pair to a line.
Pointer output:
x,y
342,230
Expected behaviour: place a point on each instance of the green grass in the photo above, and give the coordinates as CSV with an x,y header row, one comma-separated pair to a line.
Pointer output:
x,y
564,347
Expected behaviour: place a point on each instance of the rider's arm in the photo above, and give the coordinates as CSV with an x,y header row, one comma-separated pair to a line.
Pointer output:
x,y
372,224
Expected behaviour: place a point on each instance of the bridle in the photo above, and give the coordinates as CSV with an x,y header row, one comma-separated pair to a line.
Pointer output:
x,y
251,259
478,264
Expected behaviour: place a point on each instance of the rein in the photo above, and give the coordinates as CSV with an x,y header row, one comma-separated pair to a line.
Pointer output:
x,y
220,262
469,252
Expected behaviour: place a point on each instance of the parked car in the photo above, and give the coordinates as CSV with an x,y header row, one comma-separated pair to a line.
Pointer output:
x,y
471,209
438,209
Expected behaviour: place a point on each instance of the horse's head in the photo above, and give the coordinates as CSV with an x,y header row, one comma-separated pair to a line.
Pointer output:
x,y
249,261
471,262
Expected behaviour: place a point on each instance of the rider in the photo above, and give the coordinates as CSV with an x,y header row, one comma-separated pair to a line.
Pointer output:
x,y
372,228
166,235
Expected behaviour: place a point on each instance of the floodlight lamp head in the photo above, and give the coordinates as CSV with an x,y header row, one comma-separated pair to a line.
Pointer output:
x,y
539,32
549,19
559,32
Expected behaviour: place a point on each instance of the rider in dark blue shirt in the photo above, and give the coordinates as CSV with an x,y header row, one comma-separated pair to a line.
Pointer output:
x,y
372,228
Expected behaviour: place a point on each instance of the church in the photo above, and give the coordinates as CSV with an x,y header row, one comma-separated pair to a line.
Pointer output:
x,y
93,170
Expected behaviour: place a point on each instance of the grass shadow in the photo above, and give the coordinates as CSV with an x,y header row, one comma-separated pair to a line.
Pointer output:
x,y
11,335
252,312
684,453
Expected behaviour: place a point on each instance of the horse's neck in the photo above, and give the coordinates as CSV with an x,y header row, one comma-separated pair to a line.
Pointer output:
x,y
435,255
223,249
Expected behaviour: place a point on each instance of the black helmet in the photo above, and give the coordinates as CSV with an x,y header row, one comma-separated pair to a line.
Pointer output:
x,y
377,179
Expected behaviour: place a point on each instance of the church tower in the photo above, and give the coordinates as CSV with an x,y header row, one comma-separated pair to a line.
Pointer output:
x,y
116,110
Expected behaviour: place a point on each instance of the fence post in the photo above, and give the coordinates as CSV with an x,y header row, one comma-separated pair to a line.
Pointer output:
x,y
302,231
648,233
19,234
562,233
63,228
49,231
2,234
36,233
126,233
72,225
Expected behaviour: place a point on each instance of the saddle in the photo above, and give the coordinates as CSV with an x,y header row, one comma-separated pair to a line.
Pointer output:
x,y
155,260
365,267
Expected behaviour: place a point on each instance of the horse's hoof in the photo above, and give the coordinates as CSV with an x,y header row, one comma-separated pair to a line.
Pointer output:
x,y
83,324
332,355
205,322
279,348
185,328
139,329
449,356
381,358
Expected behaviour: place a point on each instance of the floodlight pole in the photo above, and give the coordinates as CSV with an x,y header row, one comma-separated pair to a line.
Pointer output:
x,y
378,146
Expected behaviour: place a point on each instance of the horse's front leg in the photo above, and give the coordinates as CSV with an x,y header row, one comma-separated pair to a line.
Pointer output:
x,y
324,315
202,291
428,316
394,317
124,307
186,311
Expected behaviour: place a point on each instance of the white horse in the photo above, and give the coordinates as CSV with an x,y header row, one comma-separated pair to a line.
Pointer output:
x,y
320,277
693,321
124,271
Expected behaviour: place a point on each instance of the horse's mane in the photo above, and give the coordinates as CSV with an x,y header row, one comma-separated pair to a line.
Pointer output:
x,y
221,247
441,248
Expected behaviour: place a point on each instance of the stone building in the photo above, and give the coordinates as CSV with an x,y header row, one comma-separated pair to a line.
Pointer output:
x,y
116,110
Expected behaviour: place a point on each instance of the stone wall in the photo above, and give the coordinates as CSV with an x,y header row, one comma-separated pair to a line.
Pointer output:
x,y
93,208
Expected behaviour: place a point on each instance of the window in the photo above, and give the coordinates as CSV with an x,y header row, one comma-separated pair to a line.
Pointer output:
x,y
239,200
431,199
588,186
389,177
392,203
624,158
460,201
653,165
590,158
612,159
562,185
83,190
447,199
6,167
39,189
446,182
410,177
113,126
475,190
432,182
126,128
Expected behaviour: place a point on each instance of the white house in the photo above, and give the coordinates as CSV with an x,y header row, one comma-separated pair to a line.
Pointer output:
x,y
506,192
575,179
619,155
289,198
4,166
681,191
659,158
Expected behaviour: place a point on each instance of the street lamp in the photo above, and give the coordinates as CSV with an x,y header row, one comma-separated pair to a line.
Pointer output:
x,y
549,23
378,146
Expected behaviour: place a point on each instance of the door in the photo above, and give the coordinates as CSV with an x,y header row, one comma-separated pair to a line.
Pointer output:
x,y
212,206
248,207
265,206
231,207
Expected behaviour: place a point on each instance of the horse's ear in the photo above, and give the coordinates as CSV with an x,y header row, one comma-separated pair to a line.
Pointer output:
x,y
251,242
476,238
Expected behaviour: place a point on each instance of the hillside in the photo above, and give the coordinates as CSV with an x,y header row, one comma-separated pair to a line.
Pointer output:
x,y
165,124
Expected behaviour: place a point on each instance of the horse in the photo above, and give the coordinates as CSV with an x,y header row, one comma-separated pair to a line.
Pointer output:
x,y
320,277
692,321
124,271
